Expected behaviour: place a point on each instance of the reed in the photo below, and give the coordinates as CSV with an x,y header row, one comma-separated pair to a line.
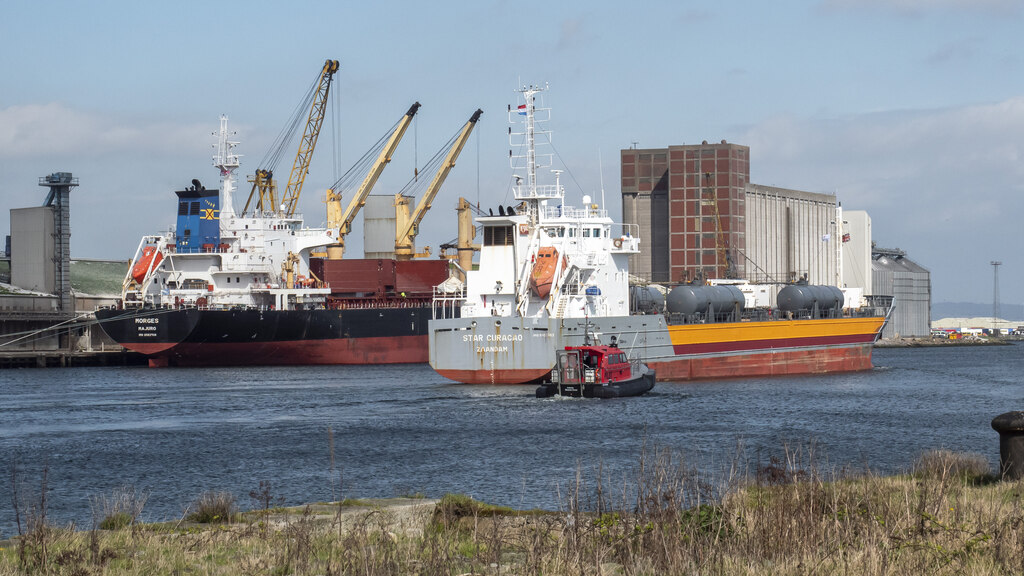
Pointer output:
x,y
789,515
212,507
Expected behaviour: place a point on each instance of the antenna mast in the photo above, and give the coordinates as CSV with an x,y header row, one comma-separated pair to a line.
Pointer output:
x,y
227,162
531,116
995,291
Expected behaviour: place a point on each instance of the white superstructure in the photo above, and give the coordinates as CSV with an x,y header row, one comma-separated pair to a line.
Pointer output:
x,y
256,261
549,275
590,274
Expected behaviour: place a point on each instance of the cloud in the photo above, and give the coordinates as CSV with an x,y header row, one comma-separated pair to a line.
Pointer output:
x,y
925,151
920,7
57,131
694,16
942,183
962,49
571,33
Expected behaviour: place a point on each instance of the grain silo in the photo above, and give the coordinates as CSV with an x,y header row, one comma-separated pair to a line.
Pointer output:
x,y
909,284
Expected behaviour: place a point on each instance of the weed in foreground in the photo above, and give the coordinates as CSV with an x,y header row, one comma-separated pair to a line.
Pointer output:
x,y
665,516
212,507
120,509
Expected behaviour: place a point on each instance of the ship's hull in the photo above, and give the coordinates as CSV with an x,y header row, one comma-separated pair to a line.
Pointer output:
x,y
196,337
522,350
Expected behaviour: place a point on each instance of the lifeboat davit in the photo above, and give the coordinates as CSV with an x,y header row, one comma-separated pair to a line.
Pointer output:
x,y
544,271
149,256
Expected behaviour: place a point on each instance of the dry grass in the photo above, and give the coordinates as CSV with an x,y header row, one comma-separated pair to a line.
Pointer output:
x,y
947,516
211,508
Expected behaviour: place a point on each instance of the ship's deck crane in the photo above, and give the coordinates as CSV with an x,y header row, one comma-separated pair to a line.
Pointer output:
x,y
343,220
407,225
264,188
463,242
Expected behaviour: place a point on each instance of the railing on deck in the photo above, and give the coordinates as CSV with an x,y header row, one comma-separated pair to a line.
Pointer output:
x,y
550,212
447,304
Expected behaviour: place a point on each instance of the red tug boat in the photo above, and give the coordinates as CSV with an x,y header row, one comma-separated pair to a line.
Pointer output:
x,y
596,371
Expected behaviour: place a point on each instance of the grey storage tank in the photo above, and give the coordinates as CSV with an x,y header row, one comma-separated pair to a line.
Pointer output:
x,y
797,297
698,299
646,300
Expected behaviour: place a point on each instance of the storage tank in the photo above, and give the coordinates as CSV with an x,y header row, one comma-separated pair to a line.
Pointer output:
x,y
697,299
797,297
646,299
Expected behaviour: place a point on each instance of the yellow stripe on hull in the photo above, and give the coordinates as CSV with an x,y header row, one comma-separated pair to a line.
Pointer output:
x,y
698,334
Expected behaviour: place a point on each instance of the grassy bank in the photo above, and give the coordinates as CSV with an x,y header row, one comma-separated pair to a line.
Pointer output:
x,y
949,515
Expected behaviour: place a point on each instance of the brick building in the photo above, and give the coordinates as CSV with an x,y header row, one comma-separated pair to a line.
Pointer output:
x,y
689,202
699,215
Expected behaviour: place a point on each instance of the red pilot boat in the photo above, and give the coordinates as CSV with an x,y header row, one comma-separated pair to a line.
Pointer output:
x,y
597,372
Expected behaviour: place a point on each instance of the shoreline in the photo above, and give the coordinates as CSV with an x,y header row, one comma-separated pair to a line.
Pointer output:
x,y
948,515
941,342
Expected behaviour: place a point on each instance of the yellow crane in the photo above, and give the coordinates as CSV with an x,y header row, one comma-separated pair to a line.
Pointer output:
x,y
407,225
264,188
343,220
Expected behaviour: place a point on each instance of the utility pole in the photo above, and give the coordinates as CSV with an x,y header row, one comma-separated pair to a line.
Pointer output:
x,y
995,291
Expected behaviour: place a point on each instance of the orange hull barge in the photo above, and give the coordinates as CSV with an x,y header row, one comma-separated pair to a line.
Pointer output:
x,y
514,351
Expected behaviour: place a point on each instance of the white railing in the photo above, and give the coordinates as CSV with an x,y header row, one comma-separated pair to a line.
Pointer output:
x,y
444,304
550,212
545,192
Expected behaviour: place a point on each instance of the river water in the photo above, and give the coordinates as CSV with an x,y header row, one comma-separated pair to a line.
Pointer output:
x,y
173,433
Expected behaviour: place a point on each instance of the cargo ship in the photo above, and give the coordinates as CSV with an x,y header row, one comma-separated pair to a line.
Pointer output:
x,y
552,276
223,289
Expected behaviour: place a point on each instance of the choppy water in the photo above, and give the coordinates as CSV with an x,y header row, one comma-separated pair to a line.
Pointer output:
x,y
175,433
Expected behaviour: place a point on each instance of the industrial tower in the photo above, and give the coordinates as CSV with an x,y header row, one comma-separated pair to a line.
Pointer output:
x,y
60,185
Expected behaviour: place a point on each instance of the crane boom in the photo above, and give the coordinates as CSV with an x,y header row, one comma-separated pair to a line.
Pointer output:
x,y
409,227
263,189
264,186
308,143
344,220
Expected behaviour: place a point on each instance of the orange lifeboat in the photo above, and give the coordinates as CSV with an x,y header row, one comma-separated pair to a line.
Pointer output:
x,y
544,271
149,255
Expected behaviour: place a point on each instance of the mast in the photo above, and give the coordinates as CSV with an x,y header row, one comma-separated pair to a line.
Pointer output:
x,y
839,245
528,138
227,162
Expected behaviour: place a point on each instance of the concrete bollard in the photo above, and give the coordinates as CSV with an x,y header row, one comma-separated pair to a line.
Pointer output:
x,y
1011,444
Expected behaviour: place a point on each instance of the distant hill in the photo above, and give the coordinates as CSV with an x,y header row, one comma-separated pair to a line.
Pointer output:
x,y
97,277
93,277
1012,312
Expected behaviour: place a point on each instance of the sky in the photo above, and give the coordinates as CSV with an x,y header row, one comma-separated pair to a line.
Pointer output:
x,y
912,110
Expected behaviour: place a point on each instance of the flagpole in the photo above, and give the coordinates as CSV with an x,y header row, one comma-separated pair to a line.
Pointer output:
x,y
839,244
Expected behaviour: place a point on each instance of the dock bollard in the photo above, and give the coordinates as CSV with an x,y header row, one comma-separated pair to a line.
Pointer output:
x,y
1011,444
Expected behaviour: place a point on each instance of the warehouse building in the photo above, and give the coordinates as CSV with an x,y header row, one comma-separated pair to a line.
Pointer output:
x,y
700,217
